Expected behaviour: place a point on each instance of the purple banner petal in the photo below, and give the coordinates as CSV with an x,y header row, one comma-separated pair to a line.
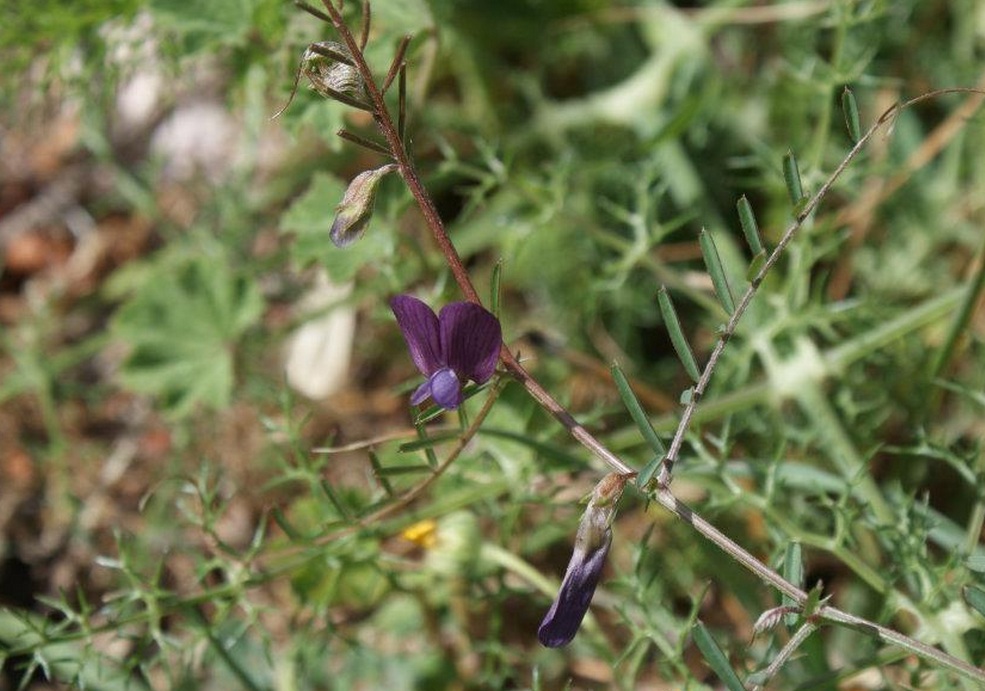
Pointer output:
x,y
470,340
421,331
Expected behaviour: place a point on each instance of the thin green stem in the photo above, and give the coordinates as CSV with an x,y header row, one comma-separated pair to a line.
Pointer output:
x,y
961,319
886,635
842,452
784,655
826,105
973,533
411,495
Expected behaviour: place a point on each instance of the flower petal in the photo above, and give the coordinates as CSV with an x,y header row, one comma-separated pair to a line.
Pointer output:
x,y
421,393
421,331
470,340
585,568
446,390
580,580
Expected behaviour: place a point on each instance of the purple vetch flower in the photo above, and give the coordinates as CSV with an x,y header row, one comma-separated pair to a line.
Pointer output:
x,y
585,568
460,343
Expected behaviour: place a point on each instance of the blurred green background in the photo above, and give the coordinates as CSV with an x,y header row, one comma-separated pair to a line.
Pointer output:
x,y
180,342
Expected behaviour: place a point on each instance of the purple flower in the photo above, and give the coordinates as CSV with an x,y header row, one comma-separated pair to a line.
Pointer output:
x,y
459,344
585,568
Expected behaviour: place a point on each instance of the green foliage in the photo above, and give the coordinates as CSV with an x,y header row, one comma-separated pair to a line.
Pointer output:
x,y
182,325
575,151
217,24
39,30
716,658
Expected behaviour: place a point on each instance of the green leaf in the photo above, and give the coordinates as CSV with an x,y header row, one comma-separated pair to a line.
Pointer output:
x,y
495,288
636,410
430,441
65,659
813,600
181,325
716,658
793,571
850,108
975,597
791,177
648,473
976,563
747,219
201,25
677,338
755,266
714,263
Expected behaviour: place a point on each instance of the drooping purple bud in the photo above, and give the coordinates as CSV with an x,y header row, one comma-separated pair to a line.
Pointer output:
x,y
460,344
585,568
356,208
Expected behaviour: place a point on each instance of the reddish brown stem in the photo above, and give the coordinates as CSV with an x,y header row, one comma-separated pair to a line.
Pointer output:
x,y
433,221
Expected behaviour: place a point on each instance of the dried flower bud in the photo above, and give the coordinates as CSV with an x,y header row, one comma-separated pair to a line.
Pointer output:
x,y
356,208
770,618
585,568
328,66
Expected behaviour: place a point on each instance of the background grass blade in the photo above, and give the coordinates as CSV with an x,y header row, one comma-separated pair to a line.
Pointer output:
x,y
716,658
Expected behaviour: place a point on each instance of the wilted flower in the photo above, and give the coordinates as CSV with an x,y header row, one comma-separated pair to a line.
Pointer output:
x,y
459,344
585,568
328,66
356,208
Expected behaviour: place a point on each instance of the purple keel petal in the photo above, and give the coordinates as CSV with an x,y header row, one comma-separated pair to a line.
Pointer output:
x,y
580,580
470,340
446,390
422,392
421,331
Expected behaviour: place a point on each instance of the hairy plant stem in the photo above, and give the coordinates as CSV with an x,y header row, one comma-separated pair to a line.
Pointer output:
x,y
784,655
408,497
673,452
662,494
